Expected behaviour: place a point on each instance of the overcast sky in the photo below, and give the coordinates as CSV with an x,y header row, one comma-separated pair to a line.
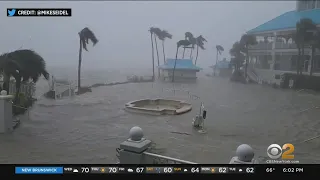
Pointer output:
x,y
122,29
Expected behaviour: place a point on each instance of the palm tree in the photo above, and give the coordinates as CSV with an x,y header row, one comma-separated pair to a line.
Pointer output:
x,y
23,65
200,43
152,48
246,41
193,42
219,49
237,57
157,32
164,34
305,30
180,43
314,42
188,36
297,39
84,36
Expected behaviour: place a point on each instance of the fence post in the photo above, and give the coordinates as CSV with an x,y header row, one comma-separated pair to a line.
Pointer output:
x,y
244,155
131,150
6,123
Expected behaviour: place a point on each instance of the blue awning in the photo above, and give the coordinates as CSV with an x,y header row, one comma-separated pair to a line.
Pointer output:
x,y
287,20
182,64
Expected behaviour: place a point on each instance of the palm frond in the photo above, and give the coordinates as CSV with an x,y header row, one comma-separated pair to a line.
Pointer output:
x,y
156,31
163,35
85,35
183,43
247,40
200,42
166,34
201,46
27,63
188,35
219,48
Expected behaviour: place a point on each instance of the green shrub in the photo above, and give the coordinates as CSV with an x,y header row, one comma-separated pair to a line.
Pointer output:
x,y
300,81
22,104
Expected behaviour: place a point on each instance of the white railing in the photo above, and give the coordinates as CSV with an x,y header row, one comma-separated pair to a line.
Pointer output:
x,y
278,45
261,45
159,159
26,88
60,87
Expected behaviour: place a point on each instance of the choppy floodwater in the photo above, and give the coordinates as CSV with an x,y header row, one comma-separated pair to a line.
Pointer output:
x,y
88,128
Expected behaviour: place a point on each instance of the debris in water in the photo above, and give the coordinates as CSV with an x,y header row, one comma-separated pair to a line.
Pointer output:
x,y
314,107
183,133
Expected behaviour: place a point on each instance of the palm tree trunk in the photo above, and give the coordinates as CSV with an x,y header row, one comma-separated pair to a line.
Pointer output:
x,y
298,60
215,67
195,63
191,53
311,60
302,59
18,85
184,50
246,65
155,41
152,48
6,81
175,63
79,67
164,54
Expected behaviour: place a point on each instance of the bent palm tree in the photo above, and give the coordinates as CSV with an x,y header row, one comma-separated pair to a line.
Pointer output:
x,y
200,43
219,49
305,30
314,42
188,36
246,41
193,42
152,49
180,43
23,65
237,57
84,35
157,32
163,35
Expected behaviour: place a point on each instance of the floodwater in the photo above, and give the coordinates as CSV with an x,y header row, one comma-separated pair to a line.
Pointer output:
x,y
89,128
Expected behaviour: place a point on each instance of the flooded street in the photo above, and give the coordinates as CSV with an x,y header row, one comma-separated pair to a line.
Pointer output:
x,y
89,128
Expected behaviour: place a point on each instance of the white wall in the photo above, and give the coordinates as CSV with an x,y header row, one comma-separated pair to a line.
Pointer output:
x,y
179,73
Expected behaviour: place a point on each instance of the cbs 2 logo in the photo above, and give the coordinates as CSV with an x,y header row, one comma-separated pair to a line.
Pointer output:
x,y
275,151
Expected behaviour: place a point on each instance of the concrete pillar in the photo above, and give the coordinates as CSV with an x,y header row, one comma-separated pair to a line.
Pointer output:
x,y
273,53
131,150
6,123
244,155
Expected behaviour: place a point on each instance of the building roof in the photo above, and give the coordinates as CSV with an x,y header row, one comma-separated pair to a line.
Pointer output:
x,y
181,64
287,20
222,65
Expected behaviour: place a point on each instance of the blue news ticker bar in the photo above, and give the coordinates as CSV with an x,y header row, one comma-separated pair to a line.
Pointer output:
x,y
39,170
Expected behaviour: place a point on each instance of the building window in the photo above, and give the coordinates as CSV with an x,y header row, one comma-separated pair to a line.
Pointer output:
x,y
311,4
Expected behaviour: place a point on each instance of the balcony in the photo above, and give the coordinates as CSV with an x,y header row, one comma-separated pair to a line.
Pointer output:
x,y
262,45
278,45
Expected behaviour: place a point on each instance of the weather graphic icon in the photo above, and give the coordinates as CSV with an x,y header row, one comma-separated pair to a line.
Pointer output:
x,y
11,12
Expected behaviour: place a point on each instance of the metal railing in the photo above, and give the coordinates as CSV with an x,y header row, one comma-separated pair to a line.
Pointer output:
x,y
159,159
